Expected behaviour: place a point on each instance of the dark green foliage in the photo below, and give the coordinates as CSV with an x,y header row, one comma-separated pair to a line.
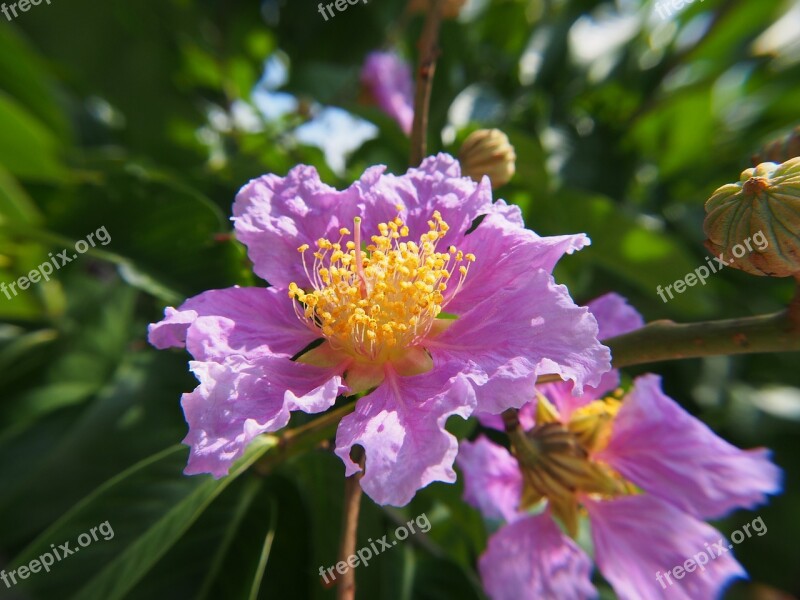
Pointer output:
x,y
104,123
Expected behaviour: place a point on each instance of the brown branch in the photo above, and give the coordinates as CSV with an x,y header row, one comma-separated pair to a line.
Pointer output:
x,y
667,340
428,53
301,439
350,512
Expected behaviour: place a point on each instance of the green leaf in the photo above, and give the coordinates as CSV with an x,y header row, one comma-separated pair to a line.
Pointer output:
x,y
15,203
27,148
122,574
265,551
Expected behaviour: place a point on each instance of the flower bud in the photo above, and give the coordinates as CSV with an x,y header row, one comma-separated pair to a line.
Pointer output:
x,y
450,8
761,212
488,152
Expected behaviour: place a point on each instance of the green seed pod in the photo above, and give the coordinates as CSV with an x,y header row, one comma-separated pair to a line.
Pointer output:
x,y
762,214
488,152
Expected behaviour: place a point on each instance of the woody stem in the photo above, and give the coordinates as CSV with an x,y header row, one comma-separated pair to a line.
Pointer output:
x,y
428,51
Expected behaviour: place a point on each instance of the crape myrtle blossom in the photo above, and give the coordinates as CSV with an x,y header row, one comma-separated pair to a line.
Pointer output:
x,y
387,79
393,288
645,472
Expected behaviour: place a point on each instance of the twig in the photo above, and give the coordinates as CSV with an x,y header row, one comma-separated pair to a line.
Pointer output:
x,y
666,340
350,512
300,439
428,53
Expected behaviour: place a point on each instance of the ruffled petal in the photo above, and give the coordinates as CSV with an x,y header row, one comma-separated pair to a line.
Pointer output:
x,y
238,399
388,79
492,479
400,425
506,251
273,216
436,184
526,417
510,212
251,322
669,453
638,539
614,315
531,558
528,328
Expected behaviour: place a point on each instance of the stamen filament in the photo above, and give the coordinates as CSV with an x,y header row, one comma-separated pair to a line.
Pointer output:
x,y
359,262
377,304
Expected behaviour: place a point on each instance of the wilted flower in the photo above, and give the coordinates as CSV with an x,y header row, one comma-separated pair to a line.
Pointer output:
x,y
387,78
415,290
645,472
487,152
765,201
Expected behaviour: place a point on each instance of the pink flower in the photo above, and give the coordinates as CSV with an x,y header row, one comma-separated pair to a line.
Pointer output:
x,y
411,300
388,79
644,471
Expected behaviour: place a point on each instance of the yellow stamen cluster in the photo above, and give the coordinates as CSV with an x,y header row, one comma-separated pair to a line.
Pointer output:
x,y
557,458
374,301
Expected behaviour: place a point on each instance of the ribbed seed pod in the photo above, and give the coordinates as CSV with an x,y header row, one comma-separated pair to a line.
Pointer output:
x,y
488,152
761,213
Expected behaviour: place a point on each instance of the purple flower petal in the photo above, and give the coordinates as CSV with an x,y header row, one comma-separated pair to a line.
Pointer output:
x,y
274,215
527,328
526,416
436,184
492,479
637,538
388,79
250,322
531,558
400,425
614,315
669,453
504,251
239,399
511,213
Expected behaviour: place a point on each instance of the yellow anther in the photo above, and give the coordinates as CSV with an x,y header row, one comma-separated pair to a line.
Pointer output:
x,y
368,303
302,248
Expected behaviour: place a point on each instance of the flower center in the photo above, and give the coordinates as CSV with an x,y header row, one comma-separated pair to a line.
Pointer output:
x,y
556,458
374,301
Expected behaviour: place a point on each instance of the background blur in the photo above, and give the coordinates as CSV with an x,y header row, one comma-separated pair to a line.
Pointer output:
x,y
146,117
